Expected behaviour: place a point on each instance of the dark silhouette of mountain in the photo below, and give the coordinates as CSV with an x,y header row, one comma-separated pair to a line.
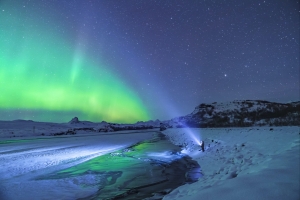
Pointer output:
x,y
240,114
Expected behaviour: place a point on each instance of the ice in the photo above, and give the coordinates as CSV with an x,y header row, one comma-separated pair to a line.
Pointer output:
x,y
238,163
25,158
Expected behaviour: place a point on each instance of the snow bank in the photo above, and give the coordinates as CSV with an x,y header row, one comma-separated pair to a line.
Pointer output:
x,y
241,163
23,160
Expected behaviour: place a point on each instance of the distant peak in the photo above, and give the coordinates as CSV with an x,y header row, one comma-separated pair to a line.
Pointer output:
x,y
75,120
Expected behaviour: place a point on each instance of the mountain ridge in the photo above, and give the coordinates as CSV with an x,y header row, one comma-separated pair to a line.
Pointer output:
x,y
240,113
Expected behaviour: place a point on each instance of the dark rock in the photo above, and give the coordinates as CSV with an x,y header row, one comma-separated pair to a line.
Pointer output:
x,y
75,120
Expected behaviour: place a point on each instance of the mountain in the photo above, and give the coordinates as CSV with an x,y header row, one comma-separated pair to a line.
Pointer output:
x,y
108,127
74,120
240,114
231,114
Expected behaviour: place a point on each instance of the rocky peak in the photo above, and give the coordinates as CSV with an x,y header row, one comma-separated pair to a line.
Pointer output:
x,y
241,113
75,120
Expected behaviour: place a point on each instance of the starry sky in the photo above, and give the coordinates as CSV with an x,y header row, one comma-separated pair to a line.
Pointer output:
x,y
127,61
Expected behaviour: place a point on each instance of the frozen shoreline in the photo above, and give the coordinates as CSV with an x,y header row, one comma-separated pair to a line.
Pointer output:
x,y
242,163
22,160
238,163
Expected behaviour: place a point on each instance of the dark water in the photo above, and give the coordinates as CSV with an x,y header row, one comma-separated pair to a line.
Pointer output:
x,y
140,171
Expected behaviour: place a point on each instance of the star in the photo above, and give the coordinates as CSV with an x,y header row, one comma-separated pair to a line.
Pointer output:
x,y
169,54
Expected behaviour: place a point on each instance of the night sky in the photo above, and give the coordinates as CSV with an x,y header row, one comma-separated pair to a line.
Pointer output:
x,y
126,61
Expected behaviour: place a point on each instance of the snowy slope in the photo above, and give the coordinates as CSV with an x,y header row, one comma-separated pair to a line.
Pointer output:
x,y
240,114
241,163
26,128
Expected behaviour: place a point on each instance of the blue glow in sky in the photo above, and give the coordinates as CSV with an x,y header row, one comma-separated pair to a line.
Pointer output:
x,y
144,59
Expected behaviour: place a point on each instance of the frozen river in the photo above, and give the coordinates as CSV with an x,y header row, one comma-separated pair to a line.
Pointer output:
x,y
132,165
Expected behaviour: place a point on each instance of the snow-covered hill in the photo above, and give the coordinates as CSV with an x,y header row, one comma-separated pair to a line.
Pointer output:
x,y
239,114
25,128
231,114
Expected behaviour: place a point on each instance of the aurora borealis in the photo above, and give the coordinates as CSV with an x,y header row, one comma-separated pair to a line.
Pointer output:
x,y
41,73
127,61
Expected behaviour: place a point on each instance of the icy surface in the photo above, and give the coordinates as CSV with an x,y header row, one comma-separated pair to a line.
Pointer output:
x,y
238,163
241,163
23,159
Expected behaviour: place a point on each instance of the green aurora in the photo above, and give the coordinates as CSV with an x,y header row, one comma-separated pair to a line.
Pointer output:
x,y
40,72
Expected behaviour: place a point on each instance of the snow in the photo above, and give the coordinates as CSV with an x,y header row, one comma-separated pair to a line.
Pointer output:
x,y
23,159
238,163
23,128
26,128
242,163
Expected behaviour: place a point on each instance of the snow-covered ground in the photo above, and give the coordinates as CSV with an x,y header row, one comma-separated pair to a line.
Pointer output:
x,y
24,128
23,159
242,163
238,163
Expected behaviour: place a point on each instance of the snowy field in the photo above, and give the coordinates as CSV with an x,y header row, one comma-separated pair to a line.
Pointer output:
x,y
242,163
238,163
23,159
